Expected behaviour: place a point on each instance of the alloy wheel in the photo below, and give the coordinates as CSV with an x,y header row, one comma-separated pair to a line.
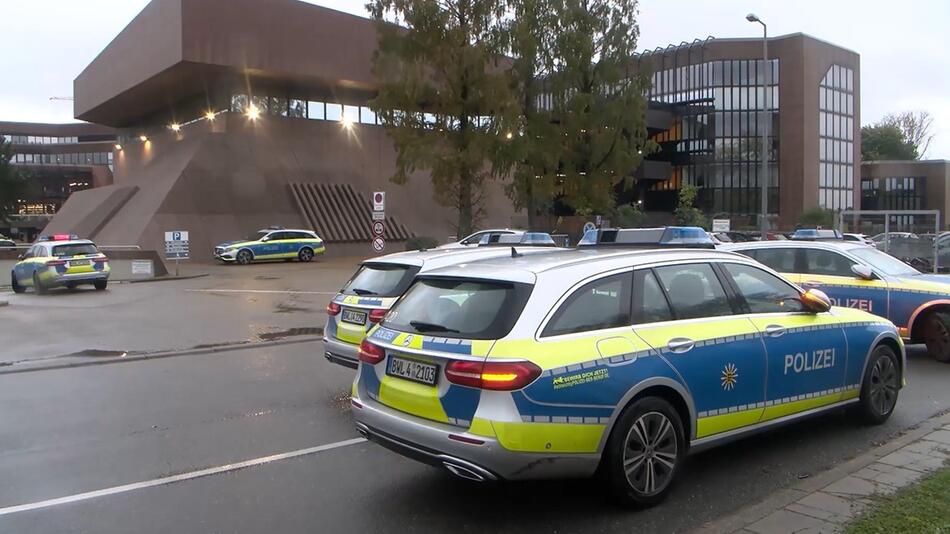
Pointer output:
x,y
884,386
650,453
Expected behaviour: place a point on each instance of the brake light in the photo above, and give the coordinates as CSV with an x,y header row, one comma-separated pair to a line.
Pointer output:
x,y
370,353
101,260
61,237
499,376
54,263
333,309
377,315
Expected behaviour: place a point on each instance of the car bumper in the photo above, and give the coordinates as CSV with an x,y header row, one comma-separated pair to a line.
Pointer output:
x,y
341,353
225,255
80,278
430,442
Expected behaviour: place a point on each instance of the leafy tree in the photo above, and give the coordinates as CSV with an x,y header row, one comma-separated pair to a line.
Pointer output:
x,y
817,216
442,88
886,140
598,101
916,128
686,213
629,216
13,182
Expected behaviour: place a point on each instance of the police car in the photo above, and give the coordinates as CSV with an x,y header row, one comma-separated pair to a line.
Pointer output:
x,y
855,275
273,243
60,260
376,286
610,360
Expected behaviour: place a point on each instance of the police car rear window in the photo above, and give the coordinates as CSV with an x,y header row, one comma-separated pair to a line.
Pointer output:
x,y
468,309
380,280
61,251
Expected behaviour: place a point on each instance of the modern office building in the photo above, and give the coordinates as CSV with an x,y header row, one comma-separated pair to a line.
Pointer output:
x,y
59,159
907,185
810,111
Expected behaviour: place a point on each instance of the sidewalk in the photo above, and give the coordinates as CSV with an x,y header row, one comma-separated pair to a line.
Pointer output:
x,y
827,502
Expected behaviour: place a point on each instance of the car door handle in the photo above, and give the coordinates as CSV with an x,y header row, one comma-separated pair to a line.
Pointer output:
x,y
774,330
811,283
680,345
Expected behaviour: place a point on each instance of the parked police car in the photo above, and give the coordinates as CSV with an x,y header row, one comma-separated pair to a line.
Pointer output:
x,y
553,365
375,287
273,243
858,276
60,261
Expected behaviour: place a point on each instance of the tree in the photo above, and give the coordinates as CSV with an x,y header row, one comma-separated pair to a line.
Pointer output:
x,y
442,89
598,101
916,128
884,141
817,216
13,182
686,213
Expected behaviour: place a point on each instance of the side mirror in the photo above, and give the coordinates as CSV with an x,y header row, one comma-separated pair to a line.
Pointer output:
x,y
21,257
862,271
815,301
265,239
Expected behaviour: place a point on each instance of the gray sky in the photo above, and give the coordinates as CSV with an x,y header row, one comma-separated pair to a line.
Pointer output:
x,y
905,64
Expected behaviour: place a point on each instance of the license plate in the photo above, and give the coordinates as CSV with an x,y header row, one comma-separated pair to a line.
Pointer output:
x,y
353,316
76,263
424,373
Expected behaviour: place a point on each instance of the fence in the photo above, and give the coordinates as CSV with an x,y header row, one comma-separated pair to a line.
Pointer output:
x,y
911,235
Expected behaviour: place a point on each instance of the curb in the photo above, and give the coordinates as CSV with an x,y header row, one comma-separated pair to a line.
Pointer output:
x,y
12,369
782,498
165,279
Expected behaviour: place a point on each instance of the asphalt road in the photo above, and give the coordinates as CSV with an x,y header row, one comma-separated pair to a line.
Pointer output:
x,y
69,431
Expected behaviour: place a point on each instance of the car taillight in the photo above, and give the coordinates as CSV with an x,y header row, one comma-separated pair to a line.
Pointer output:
x,y
377,315
500,376
370,353
333,309
101,260
54,263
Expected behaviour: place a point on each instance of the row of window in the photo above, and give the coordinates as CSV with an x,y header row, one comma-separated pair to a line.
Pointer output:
x,y
835,139
835,100
836,175
893,193
75,158
835,199
836,126
839,77
835,151
291,107
712,74
676,292
18,139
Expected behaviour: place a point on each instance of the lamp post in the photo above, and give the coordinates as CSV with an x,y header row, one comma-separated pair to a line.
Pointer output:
x,y
766,124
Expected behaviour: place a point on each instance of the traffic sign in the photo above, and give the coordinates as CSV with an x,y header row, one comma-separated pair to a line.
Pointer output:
x,y
379,201
176,245
378,244
378,228
379,215
588,226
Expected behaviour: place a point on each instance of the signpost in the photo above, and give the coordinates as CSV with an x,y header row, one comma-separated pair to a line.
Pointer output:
x,y
379,220
378,244
720,225
176,247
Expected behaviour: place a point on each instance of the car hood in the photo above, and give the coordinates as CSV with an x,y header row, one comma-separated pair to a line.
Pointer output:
x,y
936,283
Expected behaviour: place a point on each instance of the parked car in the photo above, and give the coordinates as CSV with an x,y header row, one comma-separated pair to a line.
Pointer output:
x,y
473,240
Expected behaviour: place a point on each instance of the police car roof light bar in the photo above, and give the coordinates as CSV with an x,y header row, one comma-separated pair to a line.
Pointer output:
x,y
666,237
816,234
58,237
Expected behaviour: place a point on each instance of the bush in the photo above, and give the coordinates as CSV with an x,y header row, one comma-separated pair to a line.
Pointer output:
x,y
817,216
421,242
687,214
628,216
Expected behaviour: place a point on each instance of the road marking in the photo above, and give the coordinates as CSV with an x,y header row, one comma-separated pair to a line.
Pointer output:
x,y
176,478
260,291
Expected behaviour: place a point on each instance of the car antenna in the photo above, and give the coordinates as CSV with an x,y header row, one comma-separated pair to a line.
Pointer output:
x,y
515,253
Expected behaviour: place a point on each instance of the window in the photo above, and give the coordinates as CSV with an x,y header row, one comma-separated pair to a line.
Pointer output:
x,y
315,110
649,302
825,262
762,291
603,303
298,108
334,112
380,279
778,259
75,249
694,291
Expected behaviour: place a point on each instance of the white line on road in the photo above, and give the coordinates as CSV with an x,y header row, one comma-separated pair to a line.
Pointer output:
x,y
260,291
177,478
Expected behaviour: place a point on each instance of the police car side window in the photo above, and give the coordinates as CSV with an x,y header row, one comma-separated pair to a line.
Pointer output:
x,y
649,302
603,303
763,292
694,291
825,262
778,259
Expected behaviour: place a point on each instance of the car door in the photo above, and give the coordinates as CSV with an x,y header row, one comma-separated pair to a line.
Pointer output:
x,y
23,268
807,352
831,272
714,348
269,248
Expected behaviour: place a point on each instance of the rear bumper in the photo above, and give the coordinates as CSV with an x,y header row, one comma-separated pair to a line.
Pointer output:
x,y
338,352
429,442
81,278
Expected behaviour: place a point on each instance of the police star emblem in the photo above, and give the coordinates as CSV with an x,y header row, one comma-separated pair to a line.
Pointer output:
x,y
730,375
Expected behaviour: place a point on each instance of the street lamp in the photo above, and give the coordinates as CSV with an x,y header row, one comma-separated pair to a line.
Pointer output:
x,y
766,123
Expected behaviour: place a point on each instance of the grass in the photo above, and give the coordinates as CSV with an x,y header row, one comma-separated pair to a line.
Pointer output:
x,y
922,507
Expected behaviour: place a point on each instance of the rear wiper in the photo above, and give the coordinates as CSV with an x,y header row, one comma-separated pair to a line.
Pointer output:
x,y
431,327
360,291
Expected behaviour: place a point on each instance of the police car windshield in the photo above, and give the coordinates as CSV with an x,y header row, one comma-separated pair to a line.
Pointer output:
x,y
61,251
380,280
257,235
884,263
468,309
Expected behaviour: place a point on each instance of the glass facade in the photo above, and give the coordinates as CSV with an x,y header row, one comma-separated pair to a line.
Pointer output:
x,y
721,110
303,109
836,139
77,158
18,139
893,193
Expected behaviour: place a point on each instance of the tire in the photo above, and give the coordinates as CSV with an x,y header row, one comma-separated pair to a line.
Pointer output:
x,y
70,286
100,285
936,330
305,254
880,386
244,257
649,440
14,285
37,285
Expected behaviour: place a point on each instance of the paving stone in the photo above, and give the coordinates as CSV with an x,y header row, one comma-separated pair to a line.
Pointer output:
x,y
853,486
784,521
913,460
894,476
930,448
942,436
828,507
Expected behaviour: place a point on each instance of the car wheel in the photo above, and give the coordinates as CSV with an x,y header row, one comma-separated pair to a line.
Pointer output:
x,y
305,254
14,285
100,285
881,384
70,286
644,452
37,285
244,257
937,335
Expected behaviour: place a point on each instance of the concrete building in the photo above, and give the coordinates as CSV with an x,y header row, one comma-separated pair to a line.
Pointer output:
x,y
907,185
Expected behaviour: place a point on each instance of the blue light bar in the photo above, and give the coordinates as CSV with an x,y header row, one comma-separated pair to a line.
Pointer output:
x,y
668,237
812,234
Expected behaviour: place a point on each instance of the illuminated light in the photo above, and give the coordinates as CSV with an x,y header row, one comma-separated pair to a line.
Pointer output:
x,y
253,112
508,135
346,122
210,115
118,146
175,126
143,138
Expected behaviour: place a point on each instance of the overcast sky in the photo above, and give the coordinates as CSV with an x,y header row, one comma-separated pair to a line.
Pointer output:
x,y
905,64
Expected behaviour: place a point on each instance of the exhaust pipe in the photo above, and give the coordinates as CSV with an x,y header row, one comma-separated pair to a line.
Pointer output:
x,y
363,430
463,472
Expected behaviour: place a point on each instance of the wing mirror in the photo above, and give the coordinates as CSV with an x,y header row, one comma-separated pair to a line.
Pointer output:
x,y
815,301
21,257
265,239
862,271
